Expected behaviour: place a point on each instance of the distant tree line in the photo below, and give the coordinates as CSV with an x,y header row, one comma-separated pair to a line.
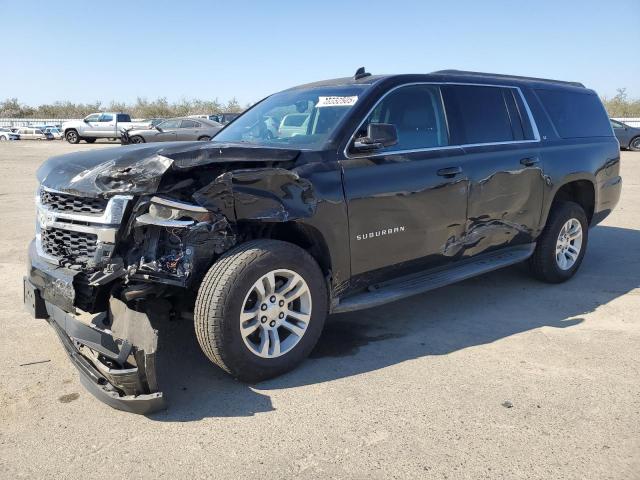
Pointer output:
x,y
142,108
621,105
618,106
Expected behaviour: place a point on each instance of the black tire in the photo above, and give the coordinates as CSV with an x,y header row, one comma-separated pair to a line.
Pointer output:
x,y
221,297
634,144
90,140
543,264
204,138
136,139
72,136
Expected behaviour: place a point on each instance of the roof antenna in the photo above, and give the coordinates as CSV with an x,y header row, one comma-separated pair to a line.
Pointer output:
x,y
360,73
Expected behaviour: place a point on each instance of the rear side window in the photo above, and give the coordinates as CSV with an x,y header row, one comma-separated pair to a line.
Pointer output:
x,y
576,115
189,124
478,114
123,117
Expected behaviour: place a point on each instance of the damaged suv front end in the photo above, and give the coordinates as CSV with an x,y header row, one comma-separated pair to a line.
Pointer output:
x,y
120,239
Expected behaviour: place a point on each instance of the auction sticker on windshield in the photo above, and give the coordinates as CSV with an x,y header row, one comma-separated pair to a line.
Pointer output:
x,y
337,101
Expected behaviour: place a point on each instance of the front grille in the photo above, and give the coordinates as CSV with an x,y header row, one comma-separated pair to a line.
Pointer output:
x,y
67,244
62,202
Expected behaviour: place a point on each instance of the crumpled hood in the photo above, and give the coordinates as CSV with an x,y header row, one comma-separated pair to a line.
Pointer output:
x,y
138,169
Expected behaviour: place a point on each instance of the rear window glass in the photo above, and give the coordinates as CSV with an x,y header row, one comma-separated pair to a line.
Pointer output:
x,y
576,115
477,114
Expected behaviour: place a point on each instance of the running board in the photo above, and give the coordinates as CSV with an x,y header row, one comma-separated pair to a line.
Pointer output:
x,y
421,282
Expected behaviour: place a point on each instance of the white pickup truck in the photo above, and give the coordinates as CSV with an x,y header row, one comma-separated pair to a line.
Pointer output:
x,y
98,125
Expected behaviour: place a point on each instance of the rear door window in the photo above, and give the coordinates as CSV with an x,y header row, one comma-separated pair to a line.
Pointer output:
x,y
576,115
189,124
478,114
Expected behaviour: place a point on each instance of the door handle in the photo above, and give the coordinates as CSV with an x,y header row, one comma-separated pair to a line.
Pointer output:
x,y
529,161
449,172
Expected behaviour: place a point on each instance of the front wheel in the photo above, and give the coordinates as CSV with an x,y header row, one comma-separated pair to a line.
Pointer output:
x,y
634,144
72,136
136,139
260,309
562,244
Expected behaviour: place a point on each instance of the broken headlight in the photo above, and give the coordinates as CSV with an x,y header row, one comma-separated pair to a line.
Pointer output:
x,y
165,212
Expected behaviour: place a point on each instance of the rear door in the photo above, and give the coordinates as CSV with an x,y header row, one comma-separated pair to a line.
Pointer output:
x,y
502,161
406,203
189,130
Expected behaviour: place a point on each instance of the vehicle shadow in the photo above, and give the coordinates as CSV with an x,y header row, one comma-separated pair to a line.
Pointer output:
x,y
475,312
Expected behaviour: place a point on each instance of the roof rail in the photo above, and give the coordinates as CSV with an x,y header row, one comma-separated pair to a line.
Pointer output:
x,y
515,77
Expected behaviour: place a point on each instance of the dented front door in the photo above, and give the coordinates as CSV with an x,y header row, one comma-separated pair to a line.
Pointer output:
x,y
404,207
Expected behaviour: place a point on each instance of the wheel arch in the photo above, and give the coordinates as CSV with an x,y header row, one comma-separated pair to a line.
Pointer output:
x,y
303,235
578,189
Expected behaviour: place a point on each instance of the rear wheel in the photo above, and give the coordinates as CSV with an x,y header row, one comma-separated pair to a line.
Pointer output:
x,y
562,244
634,144
72,136
260,309
136,139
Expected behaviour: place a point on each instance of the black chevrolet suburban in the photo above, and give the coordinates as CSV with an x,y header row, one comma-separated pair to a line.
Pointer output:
x,y
379,187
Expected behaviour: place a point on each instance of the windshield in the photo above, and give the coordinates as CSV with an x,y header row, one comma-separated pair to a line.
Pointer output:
x,y
301,118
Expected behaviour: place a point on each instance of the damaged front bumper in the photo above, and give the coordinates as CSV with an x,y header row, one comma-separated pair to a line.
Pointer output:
x,y
114,351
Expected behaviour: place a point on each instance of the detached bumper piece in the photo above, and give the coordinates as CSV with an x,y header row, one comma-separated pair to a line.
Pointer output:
x,y
113,351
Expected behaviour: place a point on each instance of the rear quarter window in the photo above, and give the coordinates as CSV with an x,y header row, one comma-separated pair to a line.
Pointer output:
x,y
576,115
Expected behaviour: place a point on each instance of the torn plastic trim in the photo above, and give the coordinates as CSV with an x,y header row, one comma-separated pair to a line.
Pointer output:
x,y
267,194
104,357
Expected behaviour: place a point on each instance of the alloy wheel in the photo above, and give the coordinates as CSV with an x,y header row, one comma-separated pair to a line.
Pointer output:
x,y
569,244
275,313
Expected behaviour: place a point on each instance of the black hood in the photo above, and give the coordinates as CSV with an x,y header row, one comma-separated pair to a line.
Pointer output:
x,y
138,169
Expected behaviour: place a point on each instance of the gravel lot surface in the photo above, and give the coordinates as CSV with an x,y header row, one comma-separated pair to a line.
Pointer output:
x,y
496,377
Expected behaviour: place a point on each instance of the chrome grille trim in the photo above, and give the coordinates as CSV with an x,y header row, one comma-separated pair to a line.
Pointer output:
x,y
103,226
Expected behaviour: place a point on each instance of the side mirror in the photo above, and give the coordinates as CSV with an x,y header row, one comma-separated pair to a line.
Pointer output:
x,y
158,128
379,135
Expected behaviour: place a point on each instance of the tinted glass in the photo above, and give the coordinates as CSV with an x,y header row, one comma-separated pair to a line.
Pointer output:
x,y
416,112
575,114
123,117
477,114
294,120
189,124
615,124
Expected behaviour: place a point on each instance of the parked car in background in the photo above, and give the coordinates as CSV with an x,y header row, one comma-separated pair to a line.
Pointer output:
x,y
98,125
224,118
57,134
294,124
31,133
173,129
6,134
629,137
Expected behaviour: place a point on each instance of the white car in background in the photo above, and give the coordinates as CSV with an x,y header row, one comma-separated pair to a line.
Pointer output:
x,y
57,134
33,133
6,134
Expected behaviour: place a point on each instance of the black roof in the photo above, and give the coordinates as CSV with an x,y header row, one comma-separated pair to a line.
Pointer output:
x,y
451,76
